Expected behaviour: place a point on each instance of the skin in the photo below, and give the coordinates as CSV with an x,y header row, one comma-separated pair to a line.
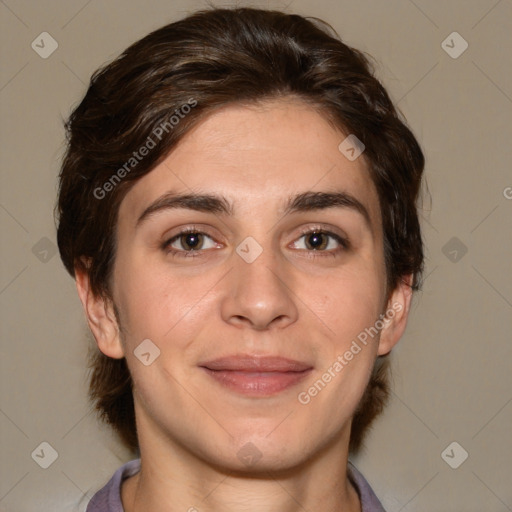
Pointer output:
x,y
286,302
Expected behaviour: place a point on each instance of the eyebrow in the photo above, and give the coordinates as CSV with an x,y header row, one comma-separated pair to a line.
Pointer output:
x,y
218,204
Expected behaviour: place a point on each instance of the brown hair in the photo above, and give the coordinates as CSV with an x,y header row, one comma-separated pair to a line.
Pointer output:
x,y
208,60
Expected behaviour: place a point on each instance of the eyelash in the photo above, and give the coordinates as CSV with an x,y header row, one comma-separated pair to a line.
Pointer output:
x,y
343,242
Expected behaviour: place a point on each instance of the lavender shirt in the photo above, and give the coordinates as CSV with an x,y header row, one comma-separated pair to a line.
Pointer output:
x,y
108,499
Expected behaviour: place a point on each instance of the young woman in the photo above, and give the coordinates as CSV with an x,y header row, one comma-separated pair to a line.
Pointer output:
x,y
238,207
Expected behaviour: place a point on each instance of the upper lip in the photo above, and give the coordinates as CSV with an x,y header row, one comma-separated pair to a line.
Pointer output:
x,y
256,364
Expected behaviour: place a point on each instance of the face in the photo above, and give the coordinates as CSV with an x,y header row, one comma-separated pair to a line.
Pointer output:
x,y
254,290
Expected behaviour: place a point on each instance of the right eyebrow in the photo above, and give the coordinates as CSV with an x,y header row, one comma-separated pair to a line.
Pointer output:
x,y
199,202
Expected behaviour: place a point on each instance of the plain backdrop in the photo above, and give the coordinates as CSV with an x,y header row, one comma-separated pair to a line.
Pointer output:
x,y
452,370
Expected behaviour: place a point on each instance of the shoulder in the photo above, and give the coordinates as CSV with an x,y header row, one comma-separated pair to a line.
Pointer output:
x,y
108,499
369,501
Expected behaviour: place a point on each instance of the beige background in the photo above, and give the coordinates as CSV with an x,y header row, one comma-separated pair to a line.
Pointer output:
x,y
452,369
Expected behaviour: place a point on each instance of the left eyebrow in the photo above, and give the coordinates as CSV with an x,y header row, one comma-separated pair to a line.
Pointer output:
x,y
310,201
209,203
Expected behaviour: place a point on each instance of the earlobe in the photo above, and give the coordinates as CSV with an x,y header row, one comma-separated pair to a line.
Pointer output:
x,y
100,317
396,315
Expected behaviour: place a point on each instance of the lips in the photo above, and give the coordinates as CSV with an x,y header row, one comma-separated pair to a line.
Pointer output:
x,y
256,364
257,376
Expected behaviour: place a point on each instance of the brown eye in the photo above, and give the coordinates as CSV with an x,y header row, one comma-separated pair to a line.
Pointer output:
x,y
188,243
316,241
191,241
321,242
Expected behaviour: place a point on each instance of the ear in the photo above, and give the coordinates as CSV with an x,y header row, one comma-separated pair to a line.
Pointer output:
x,y
396,315
100,317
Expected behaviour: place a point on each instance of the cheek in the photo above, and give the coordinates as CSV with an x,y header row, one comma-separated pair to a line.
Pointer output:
x,y
347,354
143,299
352,303
163,307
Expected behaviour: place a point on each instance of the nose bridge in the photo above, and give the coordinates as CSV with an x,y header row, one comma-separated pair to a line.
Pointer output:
x,y
258,292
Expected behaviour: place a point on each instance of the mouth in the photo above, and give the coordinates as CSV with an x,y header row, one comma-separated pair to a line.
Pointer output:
x,y
257,376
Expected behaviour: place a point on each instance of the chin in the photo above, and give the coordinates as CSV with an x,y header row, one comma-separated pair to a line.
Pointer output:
x,y
253,453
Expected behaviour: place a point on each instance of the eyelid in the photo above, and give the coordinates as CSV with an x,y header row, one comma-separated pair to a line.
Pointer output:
x,y
324,228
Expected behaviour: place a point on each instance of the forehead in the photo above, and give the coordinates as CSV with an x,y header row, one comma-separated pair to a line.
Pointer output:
x,y
256,155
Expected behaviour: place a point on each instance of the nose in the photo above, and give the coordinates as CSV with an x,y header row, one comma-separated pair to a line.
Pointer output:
x,y
259,294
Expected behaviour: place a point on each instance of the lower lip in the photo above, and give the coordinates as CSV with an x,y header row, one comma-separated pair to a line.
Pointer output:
x,y
257,384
